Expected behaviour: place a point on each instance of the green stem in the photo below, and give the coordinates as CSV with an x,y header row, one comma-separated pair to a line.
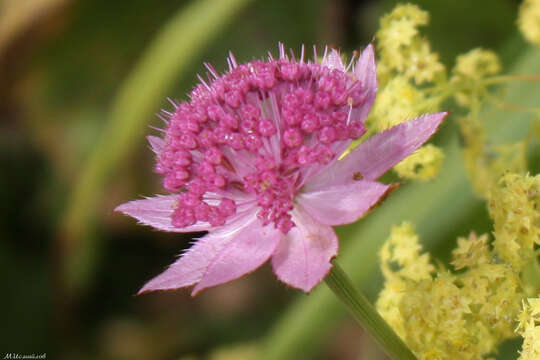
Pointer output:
x,y
515,77
366,315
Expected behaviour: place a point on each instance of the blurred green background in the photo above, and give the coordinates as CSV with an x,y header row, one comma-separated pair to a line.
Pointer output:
x,y
80,84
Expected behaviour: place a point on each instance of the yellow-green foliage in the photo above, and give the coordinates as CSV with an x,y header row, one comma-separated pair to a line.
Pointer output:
x,y
529,20
535,131
486,163
470,86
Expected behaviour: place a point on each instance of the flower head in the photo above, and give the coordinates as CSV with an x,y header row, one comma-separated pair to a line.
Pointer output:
x,y
252,158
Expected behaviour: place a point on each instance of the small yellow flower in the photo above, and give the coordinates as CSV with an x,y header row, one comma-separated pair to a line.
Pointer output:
x,y
513,206
468,72
422,165
529,20
471,251
402,49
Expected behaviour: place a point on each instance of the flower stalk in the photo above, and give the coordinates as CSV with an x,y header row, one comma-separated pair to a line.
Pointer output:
x,y
366,315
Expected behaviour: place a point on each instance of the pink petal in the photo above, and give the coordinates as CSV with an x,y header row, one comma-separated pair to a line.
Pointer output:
x,y
248,248
243,162
223,255
302,259
366,72
375,156
343,204
156,143
189,268
157,212
333,61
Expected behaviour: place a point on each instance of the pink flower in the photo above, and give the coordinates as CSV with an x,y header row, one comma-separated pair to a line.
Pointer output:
x,y
252,158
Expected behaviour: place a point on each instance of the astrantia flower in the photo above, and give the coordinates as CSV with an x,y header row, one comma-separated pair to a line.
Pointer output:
x,y
252,158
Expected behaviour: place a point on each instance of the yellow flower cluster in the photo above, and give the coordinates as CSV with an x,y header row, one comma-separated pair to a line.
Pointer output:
x,y
406,61
477,64
403,50
422,165
471,251
529,329
467,75
398,101
514,207
529,20
466,311
401,249
448,315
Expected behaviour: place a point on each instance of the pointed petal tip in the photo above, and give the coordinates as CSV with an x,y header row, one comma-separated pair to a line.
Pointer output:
x,y
334,51
333,60
148,289
442,114
122,208
433,120
197,290
365,70
370,49
367,56
163,282
199,287
156,143
142,291
129,208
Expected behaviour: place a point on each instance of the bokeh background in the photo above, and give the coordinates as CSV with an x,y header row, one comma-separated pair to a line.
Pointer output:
x,y
80,84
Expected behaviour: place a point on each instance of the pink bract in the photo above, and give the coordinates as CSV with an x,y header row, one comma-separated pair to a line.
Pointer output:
x,y
252,158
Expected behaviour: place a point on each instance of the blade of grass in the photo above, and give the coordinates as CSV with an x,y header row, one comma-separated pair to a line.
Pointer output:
x,y
174,48
434,207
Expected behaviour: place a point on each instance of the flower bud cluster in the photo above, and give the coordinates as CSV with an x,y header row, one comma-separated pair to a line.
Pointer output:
x,y
257,129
